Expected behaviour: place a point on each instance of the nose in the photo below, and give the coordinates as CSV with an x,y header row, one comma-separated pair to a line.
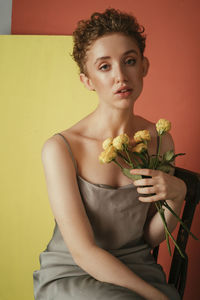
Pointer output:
x,y
120,74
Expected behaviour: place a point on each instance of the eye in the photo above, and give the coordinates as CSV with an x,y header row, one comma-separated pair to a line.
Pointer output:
x,y
130,61
104,67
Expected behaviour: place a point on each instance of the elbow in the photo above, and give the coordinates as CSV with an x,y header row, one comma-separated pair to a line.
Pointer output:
x,y
78,258
82,257
152,238
90,260
152,242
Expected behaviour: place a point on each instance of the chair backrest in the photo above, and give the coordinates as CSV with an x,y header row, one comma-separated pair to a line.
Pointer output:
x,y
178,269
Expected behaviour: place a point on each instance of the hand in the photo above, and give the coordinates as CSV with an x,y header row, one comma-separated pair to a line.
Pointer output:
x,y
162,185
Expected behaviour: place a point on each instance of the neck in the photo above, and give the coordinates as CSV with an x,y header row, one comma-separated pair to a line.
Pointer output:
x,y
113,122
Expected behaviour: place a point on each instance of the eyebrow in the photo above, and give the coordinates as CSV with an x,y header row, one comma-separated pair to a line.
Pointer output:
x,y
107,57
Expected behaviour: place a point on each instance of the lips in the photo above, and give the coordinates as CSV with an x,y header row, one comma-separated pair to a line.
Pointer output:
x,y
123,89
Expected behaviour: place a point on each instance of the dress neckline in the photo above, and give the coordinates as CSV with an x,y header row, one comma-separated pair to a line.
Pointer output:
x,y
106,186
100,185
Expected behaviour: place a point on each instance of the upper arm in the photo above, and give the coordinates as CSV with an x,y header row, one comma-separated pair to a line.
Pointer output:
x,y
64,196
167,144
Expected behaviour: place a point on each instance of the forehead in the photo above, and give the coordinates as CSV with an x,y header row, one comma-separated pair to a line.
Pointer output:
x,y
112,45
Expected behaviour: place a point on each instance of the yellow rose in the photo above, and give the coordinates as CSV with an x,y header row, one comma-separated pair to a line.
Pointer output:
x,y
163,126
107,143
121,140
142,135
108,155
139,148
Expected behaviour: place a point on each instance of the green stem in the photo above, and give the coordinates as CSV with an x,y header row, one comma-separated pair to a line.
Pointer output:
x,y
137,162
125,148
118,163
166,233
166,228
125,159
148,158
168,244
158,153
141,156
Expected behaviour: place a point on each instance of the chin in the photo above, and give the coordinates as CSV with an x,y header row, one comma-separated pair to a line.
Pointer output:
x,y
125,103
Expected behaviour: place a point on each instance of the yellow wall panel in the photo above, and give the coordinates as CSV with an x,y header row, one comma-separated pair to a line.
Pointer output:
x,y
40,95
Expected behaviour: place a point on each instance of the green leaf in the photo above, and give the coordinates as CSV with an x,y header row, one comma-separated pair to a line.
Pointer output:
x,y
126,172
168,155
179,154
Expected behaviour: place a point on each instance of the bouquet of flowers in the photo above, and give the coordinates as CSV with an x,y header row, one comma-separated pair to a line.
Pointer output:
x,y
137,157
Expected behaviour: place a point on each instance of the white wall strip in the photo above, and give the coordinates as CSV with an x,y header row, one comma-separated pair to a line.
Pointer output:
x,y
5,16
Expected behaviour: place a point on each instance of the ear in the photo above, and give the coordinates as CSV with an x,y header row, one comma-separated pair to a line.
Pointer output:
x,y
145,63
87,82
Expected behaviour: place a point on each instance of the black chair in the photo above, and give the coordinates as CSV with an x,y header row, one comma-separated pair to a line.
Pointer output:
x,y
178,269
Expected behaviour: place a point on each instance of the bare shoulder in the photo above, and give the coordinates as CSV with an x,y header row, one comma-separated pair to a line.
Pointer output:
x,y
51,147
56,143
144,124
55,156
60,151
167,140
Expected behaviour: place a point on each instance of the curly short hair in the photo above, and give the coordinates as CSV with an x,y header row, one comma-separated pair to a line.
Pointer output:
x,y
99,24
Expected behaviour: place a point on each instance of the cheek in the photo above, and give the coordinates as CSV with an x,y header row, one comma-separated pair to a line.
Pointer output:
x,y
140,84
139,73
138,79
101,82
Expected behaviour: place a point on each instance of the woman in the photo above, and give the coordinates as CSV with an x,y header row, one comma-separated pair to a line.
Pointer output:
x,y
104,230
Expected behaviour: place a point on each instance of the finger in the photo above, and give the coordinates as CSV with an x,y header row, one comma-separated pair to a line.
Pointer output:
x,y
153,198
146,190
145,181
147,172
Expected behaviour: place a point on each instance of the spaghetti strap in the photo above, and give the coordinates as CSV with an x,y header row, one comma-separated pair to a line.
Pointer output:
x,y
70,151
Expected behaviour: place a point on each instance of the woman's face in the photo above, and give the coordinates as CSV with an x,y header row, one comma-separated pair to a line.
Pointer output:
x,y
115,69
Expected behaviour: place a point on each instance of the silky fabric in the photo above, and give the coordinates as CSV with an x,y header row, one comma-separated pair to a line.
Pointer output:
x,y
117,218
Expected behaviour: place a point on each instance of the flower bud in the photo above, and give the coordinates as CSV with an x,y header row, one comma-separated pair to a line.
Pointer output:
x,y
107,143
108,155
142,135
141,147
120,141
163,126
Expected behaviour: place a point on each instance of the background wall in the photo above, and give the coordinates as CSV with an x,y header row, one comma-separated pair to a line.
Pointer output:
x,y
41,94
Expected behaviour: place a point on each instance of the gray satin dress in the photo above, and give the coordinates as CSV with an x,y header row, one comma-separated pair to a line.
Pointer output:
x,y
117,218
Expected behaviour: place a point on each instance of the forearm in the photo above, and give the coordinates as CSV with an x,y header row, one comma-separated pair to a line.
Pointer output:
x,y
105,267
